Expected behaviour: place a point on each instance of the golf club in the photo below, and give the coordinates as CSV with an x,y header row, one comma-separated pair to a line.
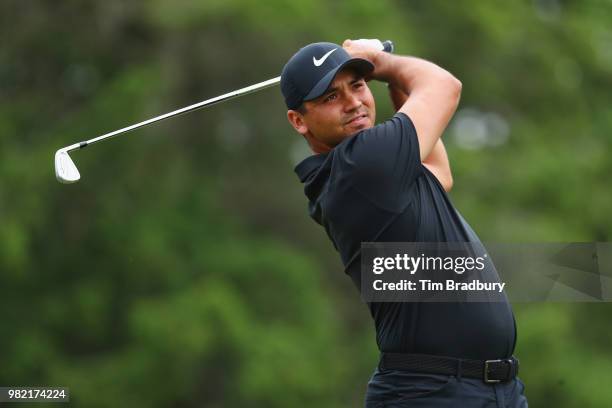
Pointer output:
x,y
67,173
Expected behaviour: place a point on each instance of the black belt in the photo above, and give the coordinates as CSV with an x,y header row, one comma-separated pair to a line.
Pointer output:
x,y
490,371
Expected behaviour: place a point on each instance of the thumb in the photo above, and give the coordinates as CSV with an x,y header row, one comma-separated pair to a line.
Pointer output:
x,y
346,43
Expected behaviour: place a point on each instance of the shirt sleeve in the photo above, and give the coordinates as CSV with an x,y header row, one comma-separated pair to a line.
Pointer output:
x,y
385,162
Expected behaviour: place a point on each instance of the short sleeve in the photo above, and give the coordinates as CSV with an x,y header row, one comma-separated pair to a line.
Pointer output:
x,y
385,162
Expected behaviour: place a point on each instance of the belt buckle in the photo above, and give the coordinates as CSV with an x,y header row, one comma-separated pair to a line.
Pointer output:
x,y
486,371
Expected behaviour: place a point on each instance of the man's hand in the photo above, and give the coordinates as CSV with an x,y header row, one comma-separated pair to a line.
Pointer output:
x,y
366,49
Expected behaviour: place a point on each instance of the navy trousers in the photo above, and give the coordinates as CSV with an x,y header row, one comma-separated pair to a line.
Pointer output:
x,y
399,389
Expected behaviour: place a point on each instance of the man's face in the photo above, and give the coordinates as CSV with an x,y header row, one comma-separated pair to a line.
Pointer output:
x,y
346,108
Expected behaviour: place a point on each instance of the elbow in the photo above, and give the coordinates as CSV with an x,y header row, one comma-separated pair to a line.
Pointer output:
x,y
451,85
459,87
455,86
447,90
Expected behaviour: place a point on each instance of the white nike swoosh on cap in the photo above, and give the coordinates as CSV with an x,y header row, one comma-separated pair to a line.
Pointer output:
x,y
319,62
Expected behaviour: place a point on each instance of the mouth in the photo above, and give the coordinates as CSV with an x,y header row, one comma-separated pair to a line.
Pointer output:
x,y
358,120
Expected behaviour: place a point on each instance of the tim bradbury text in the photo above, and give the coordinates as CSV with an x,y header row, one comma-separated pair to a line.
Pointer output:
x,y
428,285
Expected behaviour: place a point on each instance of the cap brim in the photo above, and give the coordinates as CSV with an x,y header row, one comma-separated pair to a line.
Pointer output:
x,y
362,66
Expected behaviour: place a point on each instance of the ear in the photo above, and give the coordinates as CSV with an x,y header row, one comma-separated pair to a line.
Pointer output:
x,y
297,121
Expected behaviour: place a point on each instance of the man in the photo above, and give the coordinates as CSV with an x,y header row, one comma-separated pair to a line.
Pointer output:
x,y
388,183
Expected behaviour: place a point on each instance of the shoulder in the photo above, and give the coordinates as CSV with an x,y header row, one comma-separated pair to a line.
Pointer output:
x,y
397,126
383,146
386,135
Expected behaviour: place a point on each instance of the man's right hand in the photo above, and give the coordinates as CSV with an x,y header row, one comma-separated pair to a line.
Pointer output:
x,y
366,49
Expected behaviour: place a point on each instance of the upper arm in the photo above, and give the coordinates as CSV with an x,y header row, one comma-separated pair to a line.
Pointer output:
x,y
437,162
430,108
442,174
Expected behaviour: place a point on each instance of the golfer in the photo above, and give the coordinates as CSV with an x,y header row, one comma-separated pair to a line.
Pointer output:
x,y
387,182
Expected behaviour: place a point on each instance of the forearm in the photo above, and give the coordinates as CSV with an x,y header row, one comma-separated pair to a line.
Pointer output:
x,y
410,73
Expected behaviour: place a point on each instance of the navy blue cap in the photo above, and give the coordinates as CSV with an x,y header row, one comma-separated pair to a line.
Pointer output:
x,y
309,73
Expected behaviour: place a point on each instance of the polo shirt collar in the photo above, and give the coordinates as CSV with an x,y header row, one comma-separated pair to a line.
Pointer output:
x,y
309,165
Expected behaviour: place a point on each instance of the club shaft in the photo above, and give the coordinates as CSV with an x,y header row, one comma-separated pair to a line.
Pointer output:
x,y
387,46
186,109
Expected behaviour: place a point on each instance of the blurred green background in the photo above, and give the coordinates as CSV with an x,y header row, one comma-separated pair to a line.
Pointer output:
x,y
183,270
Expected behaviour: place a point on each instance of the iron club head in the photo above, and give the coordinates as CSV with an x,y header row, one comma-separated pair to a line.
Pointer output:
x,y
65,170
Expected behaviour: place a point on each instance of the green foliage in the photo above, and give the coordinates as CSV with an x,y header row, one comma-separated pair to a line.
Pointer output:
x,y
183,270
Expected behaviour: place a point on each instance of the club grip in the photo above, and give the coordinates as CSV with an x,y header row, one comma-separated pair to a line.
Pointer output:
x,y
388,46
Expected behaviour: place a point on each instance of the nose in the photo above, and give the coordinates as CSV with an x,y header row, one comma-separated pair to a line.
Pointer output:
x,y
352,102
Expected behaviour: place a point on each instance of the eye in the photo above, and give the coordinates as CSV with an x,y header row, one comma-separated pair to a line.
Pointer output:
x,y
330,97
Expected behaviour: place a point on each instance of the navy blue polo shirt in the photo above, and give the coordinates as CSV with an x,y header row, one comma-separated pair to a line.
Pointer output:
x,y
372,187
